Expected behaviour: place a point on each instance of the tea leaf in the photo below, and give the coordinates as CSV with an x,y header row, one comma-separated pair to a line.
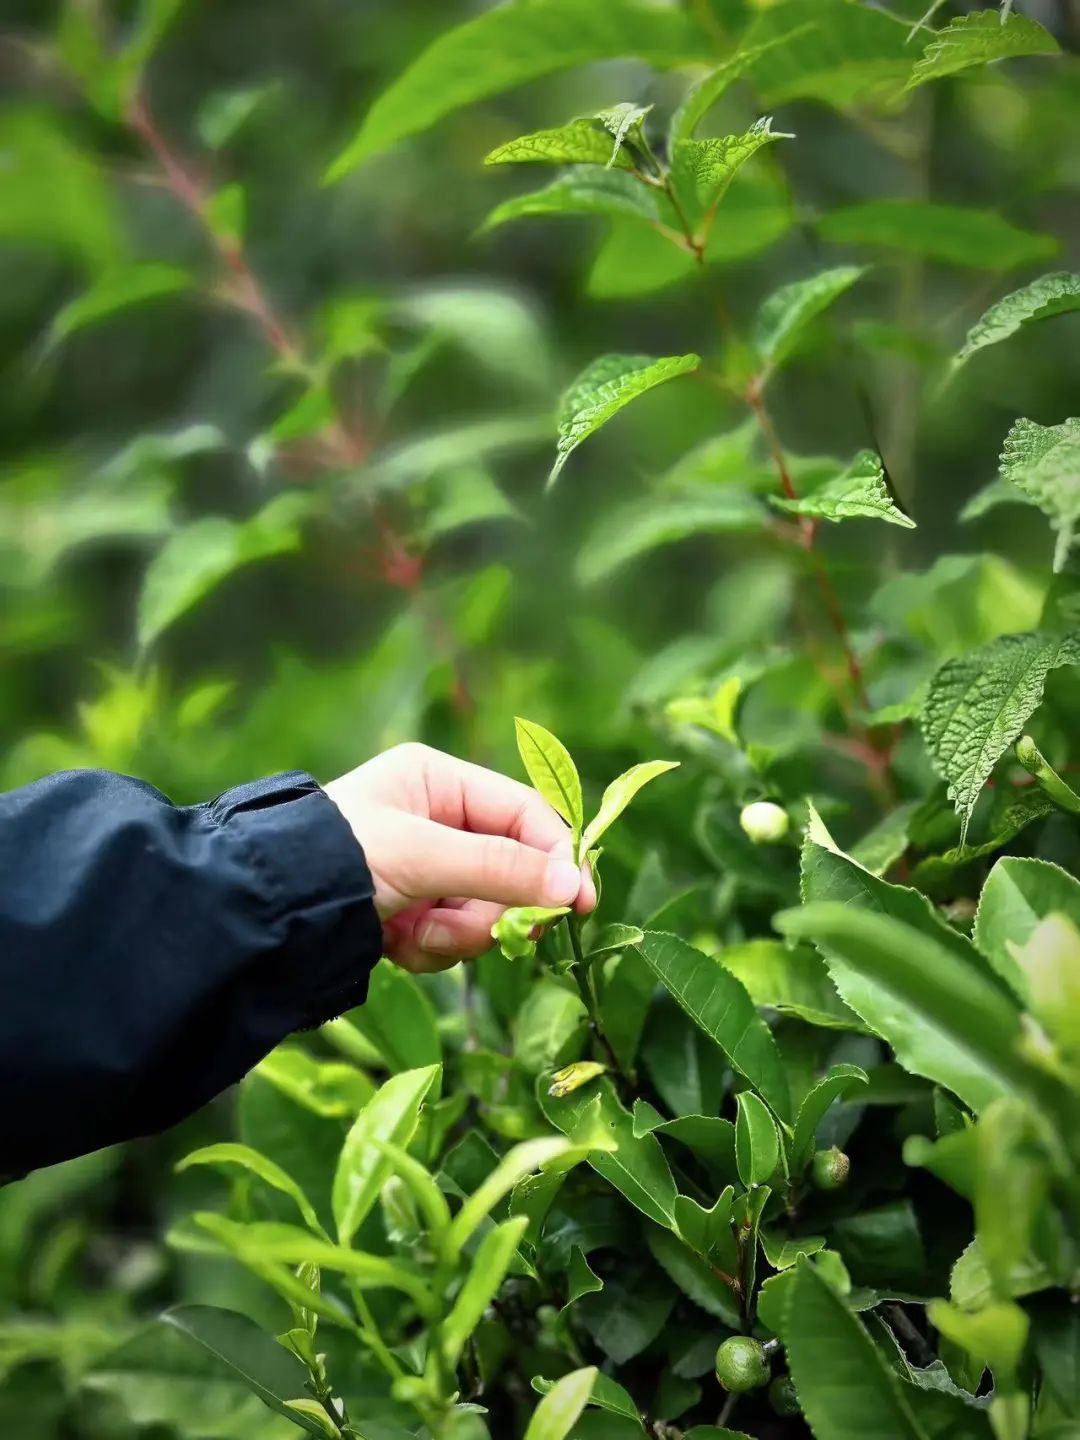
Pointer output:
x,y
979,703
1043,461
618,796
117,290
627,534
719,1005
860,492
513,931
793,981
702,170
840,54
1048,296
505,47
245,1158
786,314
839,1082
607,1394
978,39
581,192
522,1160
490,1264
624,121
702,96
952,234
552,771
559,1410
757,1143
603,389
1018,895
582,142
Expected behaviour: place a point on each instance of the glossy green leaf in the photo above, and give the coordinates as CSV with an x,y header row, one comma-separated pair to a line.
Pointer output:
x,y
118,290
708,1231
502,48
618,796
605,387
559,1410
399,1019
698,1279
719,1005
1017,896
582,142
392,1114
995,1336
1040,300
709,1137
978,39
611,193
325,1087
840,1081
783,1251
845,1388
1043,462
243,1157
514,930
757,1142
552,771
783,318
580,1278
702,170
614,938
979,702
546,1025
792,981
196,559
952,234
487,1272
1050,966
859,493
607,1394
522,1160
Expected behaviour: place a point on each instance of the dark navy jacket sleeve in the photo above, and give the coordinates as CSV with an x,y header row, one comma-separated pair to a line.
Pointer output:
x,y
150,954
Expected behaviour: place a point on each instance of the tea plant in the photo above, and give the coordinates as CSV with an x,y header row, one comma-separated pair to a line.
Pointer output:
x,y
784,1135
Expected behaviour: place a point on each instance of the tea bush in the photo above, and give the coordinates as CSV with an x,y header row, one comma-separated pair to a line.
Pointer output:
x,y
784,1137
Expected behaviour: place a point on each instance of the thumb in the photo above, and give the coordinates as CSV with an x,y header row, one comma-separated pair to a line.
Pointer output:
x,y
422,860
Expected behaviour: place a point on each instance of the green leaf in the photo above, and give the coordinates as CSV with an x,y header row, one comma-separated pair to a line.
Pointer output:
x,y
708,1232
505,47
702,170
709,1137
860,492
582,142
223,114
979,703
845,1388
951,234
559,1410
695,1277
399,1020
637,1168
615,938
757,1142
1050,966
783,1251
627,533
840,54
1043,461
522,1160
117,290
701,97
978,39
839,1082
784,317
391,1114
580,1278
611,193
719,1005
995,1336
618,796
487,1272
936,874
607,1394
1017,896
325,1087
549,1019
514,928
1040,300
793,981
196,559
552,771
244,1157
603,389
623,122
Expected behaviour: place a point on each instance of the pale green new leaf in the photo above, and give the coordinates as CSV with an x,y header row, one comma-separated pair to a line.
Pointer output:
x,y
953,234
392,1114
117,290
789,310
581,142
840,1081
197,558
1048,296
506,46
490,1264
846,1389
325,1087
607,1394
1018,895
624,534
701,97
979,702
611,193
618,796
994,1336
522,1160
978,39
560,1409
243,1157
792,981
719,1005
603,389
757,1141
623,122
859,493
513,931
1044,462
552,771
702,170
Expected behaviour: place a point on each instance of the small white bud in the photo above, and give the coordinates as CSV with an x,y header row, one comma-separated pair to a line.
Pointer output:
x,y
764,822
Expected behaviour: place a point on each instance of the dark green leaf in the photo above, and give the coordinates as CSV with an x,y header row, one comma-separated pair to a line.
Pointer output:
x,y
953,234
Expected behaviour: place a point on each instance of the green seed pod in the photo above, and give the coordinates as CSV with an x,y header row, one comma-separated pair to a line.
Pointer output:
x,y
829,1169
782,1396
742,1365
764,822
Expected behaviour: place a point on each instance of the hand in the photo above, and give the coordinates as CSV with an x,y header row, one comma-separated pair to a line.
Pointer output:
x,y
450,846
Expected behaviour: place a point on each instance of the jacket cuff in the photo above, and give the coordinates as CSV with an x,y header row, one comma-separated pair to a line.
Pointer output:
x,y
318,889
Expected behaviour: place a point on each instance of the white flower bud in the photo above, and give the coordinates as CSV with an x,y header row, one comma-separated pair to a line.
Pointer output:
x,y
764,822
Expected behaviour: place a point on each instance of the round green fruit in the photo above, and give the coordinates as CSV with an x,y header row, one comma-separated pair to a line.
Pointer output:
x,y
830,1169
782,1396
763,822
742,1365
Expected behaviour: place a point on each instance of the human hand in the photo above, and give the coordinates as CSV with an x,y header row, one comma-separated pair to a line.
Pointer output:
x,y
450,846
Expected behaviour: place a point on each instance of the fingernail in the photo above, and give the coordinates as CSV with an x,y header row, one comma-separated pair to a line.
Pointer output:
x,y
562,880
437,938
